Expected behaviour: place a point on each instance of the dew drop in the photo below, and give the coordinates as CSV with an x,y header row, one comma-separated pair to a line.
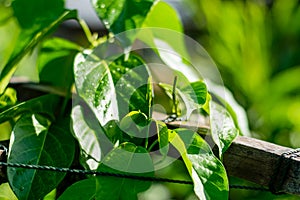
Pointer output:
x,y
22,188
110,126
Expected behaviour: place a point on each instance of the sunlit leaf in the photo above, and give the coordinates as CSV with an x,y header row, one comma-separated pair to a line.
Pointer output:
x,y
36,21
172,22
94,84
90,135
207,172
6,192
50,144
9,31
163,137
236,111
166,38
127,159
8,99
222,126
122,15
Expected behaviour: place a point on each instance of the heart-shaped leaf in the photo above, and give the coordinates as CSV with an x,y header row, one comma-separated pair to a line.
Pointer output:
x,y
207,172
38,141
115,90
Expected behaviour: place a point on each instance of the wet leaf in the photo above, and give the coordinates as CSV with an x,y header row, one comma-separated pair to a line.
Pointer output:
x,y
94,84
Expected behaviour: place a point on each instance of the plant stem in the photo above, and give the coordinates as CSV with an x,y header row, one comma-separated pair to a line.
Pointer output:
x,y
174,109
152,145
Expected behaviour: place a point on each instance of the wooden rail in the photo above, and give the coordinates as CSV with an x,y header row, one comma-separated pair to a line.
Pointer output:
x,y
260,162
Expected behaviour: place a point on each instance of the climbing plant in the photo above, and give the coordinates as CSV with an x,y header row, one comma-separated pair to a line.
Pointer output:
x,y
104,117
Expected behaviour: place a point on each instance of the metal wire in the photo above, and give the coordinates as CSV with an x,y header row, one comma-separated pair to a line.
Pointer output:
x,y
93,172
118,175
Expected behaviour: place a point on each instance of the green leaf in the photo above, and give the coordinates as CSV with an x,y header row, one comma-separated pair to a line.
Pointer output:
x,y
171,22
236,111
222,126
192,95
38,141
56,57
9,31
90,135
127,159
166,38
36,21
6,192
163,137
122,15
136,126
207,172
45,105
8,99
112,91
5,131
95,85
85,189
131,79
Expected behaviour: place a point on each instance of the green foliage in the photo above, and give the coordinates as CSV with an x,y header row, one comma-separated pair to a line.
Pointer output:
x,y
50,144
56,56
125,158
123,15
110,125
32,31
255,47
206,171
8,99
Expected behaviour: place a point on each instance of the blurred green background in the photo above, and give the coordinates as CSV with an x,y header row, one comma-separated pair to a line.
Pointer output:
x,y
256,46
